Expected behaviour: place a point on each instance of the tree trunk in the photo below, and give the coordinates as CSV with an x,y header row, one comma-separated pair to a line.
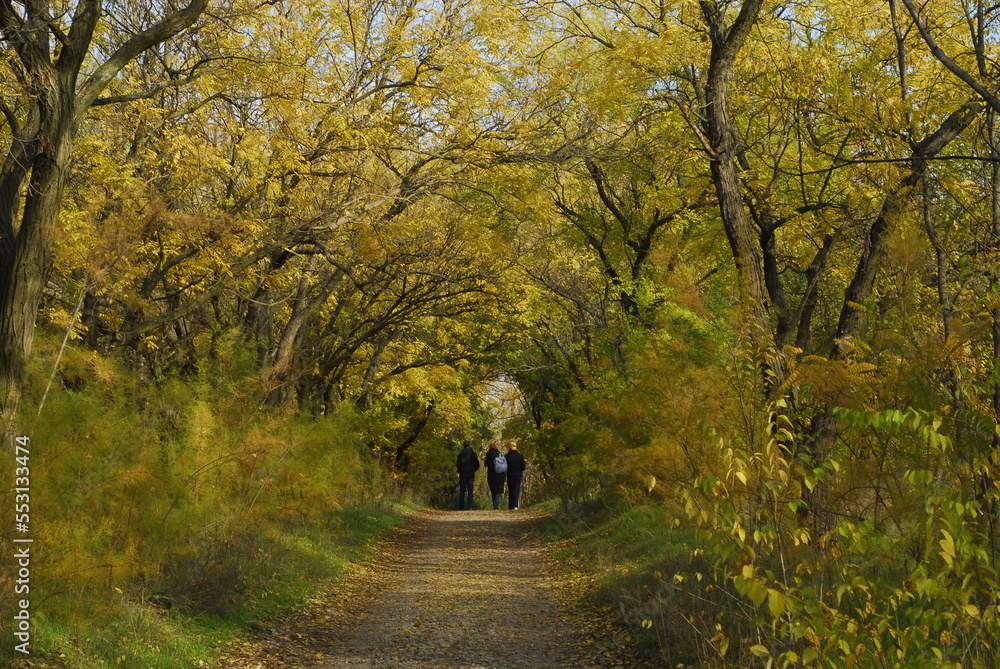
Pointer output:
x,y
823,429
860,288
994,141
279,367
402,459
26,264
727,41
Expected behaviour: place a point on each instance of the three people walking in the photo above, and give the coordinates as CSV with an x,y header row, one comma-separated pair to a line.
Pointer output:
x,y
501,471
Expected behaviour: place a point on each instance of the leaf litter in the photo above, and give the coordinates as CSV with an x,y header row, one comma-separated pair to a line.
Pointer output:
x,y
464,589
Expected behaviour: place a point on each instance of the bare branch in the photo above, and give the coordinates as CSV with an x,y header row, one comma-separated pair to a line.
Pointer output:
x,y
167,27
15,127
142,95
947,61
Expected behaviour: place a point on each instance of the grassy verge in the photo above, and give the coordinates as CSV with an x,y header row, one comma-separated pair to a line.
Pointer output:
x,y
139,629
629,553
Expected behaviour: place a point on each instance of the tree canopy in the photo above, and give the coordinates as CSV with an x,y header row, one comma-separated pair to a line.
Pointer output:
x,y
750,249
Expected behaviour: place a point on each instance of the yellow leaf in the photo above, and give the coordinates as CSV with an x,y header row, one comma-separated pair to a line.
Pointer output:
x,y
947,547
776,602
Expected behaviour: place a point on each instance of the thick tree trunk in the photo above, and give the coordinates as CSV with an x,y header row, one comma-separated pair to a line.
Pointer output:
x,y
727,41
25,264
89,319
363,398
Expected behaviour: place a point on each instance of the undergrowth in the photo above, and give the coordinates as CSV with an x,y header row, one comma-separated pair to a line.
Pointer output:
x,y
167,514
133,628
628,551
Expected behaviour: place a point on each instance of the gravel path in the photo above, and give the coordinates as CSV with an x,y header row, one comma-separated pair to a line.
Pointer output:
x,y
472,589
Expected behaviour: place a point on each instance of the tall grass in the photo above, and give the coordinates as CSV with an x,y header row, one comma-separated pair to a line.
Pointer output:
x,y
165,513
631,552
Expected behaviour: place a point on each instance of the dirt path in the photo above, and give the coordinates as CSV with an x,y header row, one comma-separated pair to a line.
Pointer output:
x,y
469,589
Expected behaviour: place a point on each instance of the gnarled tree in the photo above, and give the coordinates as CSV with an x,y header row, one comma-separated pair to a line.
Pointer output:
x,y
59,76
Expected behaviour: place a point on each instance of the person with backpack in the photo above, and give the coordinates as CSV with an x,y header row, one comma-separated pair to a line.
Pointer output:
x,y
496,474
468,464
515,475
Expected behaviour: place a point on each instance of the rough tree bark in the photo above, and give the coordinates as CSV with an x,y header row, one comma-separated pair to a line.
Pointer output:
x,y
727,41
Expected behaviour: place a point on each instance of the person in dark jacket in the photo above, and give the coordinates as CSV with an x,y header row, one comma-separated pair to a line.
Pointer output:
x,y
515,476
468,464
496,480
